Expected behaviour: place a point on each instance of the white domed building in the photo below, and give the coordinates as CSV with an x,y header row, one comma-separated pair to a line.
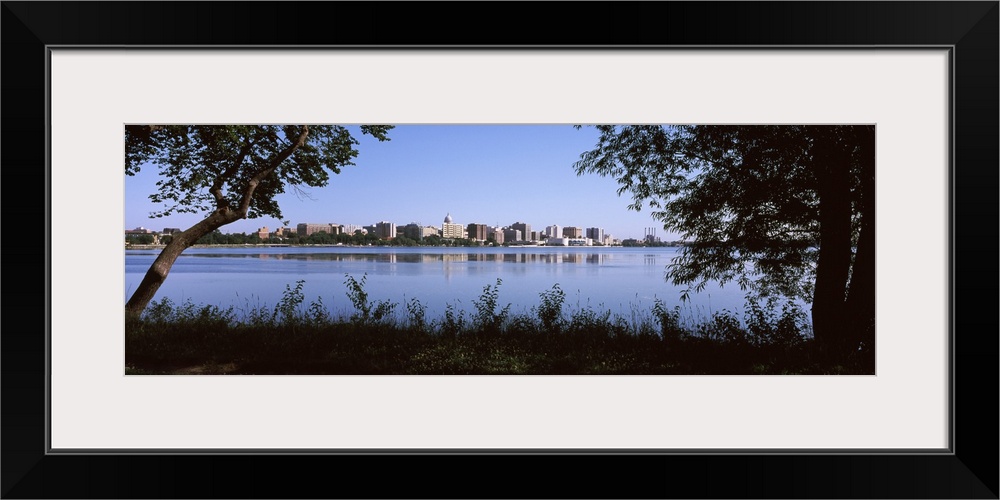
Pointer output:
x,y
451,230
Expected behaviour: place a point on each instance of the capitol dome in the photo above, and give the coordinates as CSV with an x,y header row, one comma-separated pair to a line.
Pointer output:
x,y
447,219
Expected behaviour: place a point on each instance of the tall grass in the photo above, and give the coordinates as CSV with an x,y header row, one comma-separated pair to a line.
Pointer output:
x,y
378,337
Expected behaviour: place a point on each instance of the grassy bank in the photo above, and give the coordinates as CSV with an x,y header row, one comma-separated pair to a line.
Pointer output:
x,y
381,337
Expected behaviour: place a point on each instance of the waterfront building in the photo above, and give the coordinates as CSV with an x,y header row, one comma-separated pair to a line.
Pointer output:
x,y
263,233
476,232
553,231
413,231
451,230
511,235
351,228
596,233
307,228
572,232
385,230
525,229
430,231
569,242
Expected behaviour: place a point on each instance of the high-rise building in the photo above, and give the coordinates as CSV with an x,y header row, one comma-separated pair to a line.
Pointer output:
x,y
413,231
451,230
596,233
385,230
572,232
553,231
476,232
511,235
525,229
263,233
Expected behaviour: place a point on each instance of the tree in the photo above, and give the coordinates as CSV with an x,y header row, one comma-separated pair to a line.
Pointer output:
x,y
140,239
782,210
230,173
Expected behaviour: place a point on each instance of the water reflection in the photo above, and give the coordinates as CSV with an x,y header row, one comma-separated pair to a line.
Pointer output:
x,y
425,258
620,278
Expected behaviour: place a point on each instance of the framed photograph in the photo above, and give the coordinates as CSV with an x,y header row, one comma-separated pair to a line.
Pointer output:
x,y
80,421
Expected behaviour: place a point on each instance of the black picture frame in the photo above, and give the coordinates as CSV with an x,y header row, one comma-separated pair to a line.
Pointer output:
x,y
969,29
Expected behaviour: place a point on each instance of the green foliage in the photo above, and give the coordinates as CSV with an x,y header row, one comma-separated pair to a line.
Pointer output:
x,y
550,309
170,338
202,166
140,239
487,315
417,314
766,328
746,196
187,313
366,311
289,308
724,328
669,320
453,322
318,312
590,321
403,241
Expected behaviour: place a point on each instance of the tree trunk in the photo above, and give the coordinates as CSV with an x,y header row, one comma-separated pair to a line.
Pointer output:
x,y
158,271
833,169
861,295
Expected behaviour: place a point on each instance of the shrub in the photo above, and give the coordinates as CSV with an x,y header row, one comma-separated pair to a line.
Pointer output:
x,y
288,310
724,328
766,328
550,310
487,317
416,313
452,323
669,320
367,312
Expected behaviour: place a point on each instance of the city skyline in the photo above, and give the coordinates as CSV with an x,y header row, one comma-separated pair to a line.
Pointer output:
x,y
487,174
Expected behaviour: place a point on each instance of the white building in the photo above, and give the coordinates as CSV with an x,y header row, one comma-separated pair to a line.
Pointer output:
x,y
569,242
451,230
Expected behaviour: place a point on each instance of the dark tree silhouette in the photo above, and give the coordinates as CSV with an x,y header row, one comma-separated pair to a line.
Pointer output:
x,y
230,173
781,210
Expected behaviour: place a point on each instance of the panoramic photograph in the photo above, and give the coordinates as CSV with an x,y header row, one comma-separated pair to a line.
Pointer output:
x,y
553,249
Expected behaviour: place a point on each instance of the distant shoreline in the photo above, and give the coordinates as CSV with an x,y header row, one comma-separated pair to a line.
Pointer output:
x,y
283,245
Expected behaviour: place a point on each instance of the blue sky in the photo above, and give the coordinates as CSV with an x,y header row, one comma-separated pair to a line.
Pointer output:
x,y
488,174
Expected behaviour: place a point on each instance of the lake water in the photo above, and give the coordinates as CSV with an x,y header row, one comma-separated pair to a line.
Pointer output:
x,y
622,280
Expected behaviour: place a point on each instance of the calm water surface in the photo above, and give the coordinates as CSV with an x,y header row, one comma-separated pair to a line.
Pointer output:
x,y
622,280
